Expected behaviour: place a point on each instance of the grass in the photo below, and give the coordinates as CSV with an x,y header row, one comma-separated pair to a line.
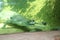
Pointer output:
x,y
10,30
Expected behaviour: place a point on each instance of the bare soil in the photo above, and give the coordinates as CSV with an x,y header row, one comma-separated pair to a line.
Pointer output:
x,y
52,35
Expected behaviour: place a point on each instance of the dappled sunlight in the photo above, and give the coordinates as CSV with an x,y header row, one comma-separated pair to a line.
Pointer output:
x,y
35,7
1,25
5,15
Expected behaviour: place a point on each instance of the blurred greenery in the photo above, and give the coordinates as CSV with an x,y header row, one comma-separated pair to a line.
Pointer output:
x,y
10,30
16,14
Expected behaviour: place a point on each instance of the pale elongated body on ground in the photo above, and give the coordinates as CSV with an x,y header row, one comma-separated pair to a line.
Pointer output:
x,y
31,36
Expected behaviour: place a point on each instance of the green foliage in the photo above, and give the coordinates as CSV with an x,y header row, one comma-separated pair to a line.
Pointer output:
x,y
38,10
10,30
18,5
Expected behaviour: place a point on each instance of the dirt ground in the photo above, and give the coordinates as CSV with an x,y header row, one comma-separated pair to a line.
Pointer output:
x,y
52,35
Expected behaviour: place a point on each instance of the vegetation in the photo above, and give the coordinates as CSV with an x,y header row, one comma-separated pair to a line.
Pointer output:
x,y
17,14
